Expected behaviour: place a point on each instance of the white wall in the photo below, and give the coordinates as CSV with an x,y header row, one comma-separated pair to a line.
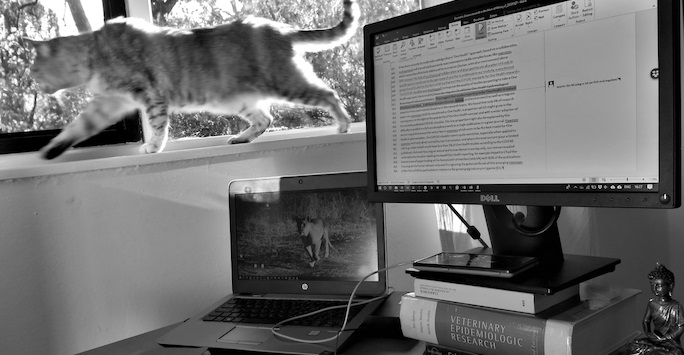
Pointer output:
x,y
92,257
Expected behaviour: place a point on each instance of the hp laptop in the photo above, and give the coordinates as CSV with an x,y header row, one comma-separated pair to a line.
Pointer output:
x,y
297,240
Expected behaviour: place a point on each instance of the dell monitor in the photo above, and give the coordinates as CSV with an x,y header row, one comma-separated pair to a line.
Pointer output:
x,y
536,103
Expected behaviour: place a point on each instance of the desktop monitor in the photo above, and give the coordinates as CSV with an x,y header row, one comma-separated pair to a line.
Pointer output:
x,y
530,102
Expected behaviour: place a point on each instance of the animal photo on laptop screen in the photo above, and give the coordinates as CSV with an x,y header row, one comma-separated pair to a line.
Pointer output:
x,y
306,235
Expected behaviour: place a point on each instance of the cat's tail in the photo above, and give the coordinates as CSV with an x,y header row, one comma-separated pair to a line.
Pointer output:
x,y
318,40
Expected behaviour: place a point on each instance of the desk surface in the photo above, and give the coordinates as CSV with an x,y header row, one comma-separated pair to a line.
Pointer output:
x,y
378,336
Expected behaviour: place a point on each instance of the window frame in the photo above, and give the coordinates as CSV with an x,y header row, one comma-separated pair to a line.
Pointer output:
x,y
125,131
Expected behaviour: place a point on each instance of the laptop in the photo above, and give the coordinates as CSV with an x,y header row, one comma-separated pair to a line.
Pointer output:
x,y
301,239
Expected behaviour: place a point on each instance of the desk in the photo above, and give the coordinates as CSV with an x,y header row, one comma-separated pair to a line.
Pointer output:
x,y
377,336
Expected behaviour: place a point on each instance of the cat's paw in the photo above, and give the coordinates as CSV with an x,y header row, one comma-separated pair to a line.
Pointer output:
x,y
54,149
343,128
148,148
236,140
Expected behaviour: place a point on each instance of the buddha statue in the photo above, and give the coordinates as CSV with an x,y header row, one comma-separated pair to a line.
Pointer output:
x,y
663,323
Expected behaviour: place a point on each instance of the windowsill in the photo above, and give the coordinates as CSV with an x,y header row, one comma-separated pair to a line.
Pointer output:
x,y
26,165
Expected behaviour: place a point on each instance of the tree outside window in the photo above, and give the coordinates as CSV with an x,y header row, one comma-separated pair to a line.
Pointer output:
x,y
23,107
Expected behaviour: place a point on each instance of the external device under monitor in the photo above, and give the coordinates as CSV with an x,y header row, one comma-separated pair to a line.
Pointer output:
x,y
537,103
504,266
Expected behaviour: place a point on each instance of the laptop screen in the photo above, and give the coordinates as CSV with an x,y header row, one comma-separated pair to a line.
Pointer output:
x,y
313,234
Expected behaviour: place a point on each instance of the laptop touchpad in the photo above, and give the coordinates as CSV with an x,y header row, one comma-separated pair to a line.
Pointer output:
x,y
246,335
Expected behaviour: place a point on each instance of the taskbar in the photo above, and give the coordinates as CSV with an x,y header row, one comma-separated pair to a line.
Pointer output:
x,y
612,187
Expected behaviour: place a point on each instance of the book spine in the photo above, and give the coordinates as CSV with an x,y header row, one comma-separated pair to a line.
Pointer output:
x,y
470,328
475,295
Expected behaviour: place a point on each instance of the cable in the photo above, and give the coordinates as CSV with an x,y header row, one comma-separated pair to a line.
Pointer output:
x,y
274,329
519,219
472,230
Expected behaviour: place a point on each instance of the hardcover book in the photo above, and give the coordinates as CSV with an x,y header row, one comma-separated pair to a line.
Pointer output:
x,y
587,328
526,302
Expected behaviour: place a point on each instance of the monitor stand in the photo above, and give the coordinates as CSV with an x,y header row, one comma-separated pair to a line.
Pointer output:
x,y
536,236
533,234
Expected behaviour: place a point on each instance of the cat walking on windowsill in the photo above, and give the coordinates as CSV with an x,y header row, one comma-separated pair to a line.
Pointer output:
x,y
235,68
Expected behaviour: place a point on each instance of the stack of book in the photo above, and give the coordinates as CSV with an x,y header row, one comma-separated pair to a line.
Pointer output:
x,y
464,318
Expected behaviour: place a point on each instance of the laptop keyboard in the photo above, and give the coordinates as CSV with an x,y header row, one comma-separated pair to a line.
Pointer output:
x,y
272,311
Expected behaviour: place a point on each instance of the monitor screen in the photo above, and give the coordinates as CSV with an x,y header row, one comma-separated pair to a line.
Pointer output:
x,y
528,102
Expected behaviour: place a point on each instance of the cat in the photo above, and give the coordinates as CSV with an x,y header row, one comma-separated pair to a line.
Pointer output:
x,y
235,68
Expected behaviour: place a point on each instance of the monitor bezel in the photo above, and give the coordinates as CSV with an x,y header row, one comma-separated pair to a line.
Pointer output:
x,y
668,193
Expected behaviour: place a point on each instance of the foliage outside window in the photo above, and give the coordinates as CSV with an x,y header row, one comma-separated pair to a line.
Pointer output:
x,y
29,118
24,109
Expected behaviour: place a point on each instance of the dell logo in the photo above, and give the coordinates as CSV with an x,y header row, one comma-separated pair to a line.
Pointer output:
x,y
305,287
489,198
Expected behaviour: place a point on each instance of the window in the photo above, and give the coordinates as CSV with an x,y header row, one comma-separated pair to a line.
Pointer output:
x,y
341,68
29,119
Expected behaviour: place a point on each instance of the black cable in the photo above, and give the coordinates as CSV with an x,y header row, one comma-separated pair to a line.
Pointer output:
x,y
472,230
519,218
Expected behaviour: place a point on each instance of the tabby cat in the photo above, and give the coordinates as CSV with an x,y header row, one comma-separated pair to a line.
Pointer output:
x,y
233,68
